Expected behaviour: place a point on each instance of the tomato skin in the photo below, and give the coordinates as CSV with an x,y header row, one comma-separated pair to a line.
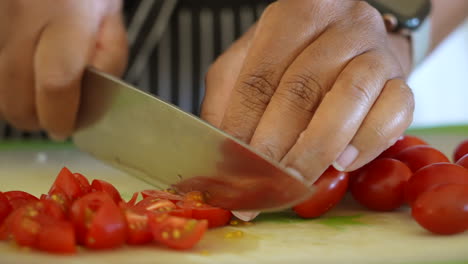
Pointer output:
x,y
463,161
215,216
176,232
403,143
98,221
5,207
67,183
134,199
60,198
434,175
330,189
18,199
460,151
103,186
380,184
162,195
58,237
417,157
443,210
83,182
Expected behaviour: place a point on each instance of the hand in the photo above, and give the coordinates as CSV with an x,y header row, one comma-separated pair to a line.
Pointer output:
x,y
44,48
314,83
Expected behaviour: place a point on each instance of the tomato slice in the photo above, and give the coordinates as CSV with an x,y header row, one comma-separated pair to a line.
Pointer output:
x,y
417,157
330,188
215,216
380,184
98,221
460,151
134,199
166,195
403,143
443,210
138,231
181,212
103,186
60,197
463,161
83,182
156,205
57,237
177,232
68,184
5,207
19,198
432,176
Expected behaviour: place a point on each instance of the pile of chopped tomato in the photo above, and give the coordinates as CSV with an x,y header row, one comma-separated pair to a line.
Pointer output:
x,y
409,172
94,215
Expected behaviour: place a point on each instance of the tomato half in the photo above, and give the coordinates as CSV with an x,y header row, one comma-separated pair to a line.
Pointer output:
x,y
156,205
134,199
443,210
98,221
432,176
380,184
59,197
215,216
68,184
460,151
176,232
19,198
329,190
167,195
417,157
138,231
403,143
463,161
83,182
103,186
5,207
57,237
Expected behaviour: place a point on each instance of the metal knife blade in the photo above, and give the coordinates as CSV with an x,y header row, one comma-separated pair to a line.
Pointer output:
x,y
167,147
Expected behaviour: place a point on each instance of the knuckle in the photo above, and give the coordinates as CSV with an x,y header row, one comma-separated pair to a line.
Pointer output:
x,y
358,89
256,90
303,91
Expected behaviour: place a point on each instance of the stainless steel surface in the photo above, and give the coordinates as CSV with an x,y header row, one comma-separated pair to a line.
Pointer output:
x,y
166,147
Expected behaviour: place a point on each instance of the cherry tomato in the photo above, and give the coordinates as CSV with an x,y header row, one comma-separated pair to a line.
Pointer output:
x,y
98,221
463,161
176,232
460,151
68,184
58,196
57,237
19,198
432,176
417,157
138,231
443,210
380,184
83,182
5,207
134,199
103,186
181,212
404,142
329,190
156,205
215,216
167,195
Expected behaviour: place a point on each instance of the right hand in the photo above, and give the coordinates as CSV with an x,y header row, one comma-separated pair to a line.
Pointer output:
x,y
44,48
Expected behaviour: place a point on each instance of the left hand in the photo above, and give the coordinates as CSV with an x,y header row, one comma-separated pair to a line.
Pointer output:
x,y
314,83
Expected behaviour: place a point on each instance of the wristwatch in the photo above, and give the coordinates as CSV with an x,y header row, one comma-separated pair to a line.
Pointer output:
x,y
411,19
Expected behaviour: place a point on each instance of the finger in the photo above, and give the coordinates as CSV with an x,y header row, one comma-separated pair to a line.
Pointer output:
x,y
303,86
341,113
221,77
111,52
277,42
388,119
64,49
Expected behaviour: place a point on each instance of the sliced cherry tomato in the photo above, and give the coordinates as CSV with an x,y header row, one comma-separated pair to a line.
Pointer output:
x,y
417,157
194,196
134,199
19,198
432,176
83,182
58,196
156,205
103,186
380,184
403,143
215,216
67,183
138,231
57,237
463,161
167,195
177,232
98,221
329,190
5,207
443,210
181,212
460,151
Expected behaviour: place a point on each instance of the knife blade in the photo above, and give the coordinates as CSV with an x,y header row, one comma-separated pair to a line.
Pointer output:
x,y
169,148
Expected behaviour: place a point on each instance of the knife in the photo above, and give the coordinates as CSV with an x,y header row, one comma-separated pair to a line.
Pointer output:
x,y
169,148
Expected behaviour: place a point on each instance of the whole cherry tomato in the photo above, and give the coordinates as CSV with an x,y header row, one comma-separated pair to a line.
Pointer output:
x,y
460,151
416,157
404,142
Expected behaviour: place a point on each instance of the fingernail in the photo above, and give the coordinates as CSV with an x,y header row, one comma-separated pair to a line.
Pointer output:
x,y
58,138
245,216
347,157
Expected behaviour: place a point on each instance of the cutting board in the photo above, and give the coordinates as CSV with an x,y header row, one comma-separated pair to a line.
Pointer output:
x,y
347,234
